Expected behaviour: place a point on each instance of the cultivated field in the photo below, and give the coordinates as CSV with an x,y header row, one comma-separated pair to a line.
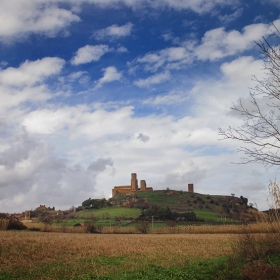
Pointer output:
x,y
48,255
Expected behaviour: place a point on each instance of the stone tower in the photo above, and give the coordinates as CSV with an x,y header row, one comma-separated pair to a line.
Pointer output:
x,y
190,188
134,182
143,185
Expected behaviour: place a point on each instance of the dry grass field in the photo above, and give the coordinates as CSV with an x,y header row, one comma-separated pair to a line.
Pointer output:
x,y
260,227
67,254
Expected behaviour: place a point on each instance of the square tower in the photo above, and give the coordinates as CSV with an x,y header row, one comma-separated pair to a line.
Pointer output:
x,y
190,188
134,182
143,185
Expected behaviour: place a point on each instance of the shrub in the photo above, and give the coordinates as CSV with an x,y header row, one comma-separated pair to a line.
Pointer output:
x,y
255,250
142,227
16,225
89,228
260,270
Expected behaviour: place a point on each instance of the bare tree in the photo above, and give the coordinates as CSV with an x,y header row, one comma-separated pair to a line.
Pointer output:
x,y
260,131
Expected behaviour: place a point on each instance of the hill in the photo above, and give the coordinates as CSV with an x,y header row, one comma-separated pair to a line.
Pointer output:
x,y
158,207
180,201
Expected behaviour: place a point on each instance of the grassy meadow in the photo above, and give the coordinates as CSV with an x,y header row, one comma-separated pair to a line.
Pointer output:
x,y
41,255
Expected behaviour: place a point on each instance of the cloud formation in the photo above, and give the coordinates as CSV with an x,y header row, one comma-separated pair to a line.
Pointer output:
x,y
49,18
26,83
167,99
111,74
218,43
43,176
153,80
18,18
114,31
89,53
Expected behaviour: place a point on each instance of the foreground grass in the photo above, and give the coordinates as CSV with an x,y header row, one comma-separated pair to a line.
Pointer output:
x,y
199,270
37,255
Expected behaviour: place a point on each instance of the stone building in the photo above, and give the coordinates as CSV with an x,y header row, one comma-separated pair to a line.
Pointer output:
x,y
132,188
190,188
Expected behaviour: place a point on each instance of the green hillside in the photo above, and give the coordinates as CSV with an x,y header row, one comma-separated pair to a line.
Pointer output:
x,y
206,207
163,205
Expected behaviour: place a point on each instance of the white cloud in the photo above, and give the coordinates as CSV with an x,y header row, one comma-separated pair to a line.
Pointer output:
x,y
231,17
27,83
11,98
79,121
76,75
122,50
179,181
20,18
110,74
154,79
256,185
241,69
31,72
31,174
100,165
168,99
218,43
46,121
89,53
170,58
215,44
114,31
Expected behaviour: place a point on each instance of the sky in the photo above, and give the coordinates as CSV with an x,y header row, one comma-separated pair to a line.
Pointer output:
x,y
94,90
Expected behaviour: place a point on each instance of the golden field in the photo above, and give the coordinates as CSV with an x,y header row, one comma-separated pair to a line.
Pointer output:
x,y
81,252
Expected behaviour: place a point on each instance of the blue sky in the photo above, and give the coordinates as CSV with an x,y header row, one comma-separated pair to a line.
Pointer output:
x,y
94,90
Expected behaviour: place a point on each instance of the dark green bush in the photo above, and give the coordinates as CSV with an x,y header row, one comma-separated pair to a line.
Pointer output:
x,y
16,225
